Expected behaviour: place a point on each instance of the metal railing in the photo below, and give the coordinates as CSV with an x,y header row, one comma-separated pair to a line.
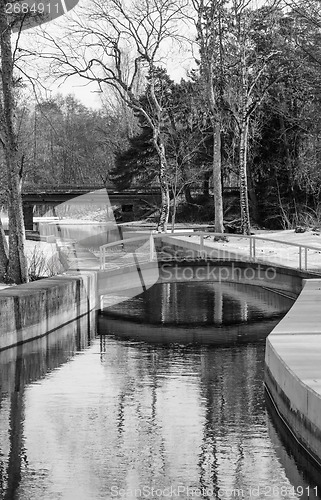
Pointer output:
x,y
217,252
104,263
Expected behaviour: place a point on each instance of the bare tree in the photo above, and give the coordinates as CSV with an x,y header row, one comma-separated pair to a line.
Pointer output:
x,y
209,37
99,43
17,266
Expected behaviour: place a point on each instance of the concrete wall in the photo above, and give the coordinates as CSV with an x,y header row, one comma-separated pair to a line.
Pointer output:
x,y
293,368
127,278
273,277
63,343
34,309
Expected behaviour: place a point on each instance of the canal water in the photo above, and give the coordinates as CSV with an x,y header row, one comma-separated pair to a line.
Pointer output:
x,y
163,398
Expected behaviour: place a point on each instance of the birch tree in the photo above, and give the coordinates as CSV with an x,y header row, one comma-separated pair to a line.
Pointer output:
x,y
247,73
236,80
101,39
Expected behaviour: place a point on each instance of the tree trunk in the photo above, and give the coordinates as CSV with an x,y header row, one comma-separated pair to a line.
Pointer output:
x,y
217,179
163,168
164,212
17,269
245,214
174,213
253,198
4,254
217,167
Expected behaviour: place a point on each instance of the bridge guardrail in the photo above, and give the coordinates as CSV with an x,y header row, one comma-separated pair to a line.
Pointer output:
x,y
250,254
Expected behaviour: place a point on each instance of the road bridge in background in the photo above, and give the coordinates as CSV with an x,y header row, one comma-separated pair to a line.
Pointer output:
x,y
49,197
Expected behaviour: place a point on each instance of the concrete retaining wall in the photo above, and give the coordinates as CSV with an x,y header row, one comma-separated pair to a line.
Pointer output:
x,y
280,279
34,309
293,368
273,277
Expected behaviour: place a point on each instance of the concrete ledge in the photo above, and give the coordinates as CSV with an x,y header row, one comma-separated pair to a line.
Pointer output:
x,y
64,341
280,279
293,368
35,309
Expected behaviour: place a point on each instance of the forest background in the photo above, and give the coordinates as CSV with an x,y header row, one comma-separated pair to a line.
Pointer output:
x,y
246,115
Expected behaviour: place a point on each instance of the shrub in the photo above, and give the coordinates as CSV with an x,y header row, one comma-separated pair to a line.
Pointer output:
x,y
40,266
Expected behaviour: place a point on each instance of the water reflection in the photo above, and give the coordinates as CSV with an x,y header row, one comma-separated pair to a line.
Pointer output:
x,y
123,416
197,313
202,303
20,366
241,333
301,470
84,418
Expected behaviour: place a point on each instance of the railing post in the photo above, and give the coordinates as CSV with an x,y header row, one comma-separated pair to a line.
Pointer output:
x,y
252,248
202,245
151,248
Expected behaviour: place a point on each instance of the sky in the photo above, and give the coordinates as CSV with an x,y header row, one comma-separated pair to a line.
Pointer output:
x,y
177,64
87,94
90,96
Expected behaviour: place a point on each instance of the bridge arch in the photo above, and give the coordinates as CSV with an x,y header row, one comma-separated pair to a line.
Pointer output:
x,y
122,280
